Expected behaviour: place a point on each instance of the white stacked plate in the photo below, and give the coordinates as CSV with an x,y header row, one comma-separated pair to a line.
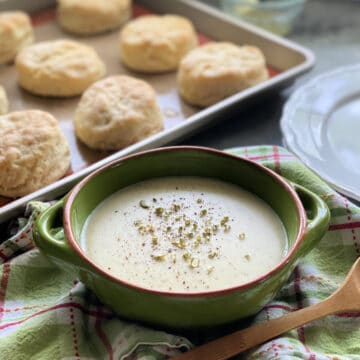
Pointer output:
x,y
321,125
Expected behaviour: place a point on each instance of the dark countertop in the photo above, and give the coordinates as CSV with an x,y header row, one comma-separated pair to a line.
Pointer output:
x,y
331,29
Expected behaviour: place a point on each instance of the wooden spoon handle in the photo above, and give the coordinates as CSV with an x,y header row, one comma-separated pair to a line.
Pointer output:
x,y
230,345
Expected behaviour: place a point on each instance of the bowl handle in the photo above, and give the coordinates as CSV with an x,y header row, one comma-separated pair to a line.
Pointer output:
x,y
318,218
55,245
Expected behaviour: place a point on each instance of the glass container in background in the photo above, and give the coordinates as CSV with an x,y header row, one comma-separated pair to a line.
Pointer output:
x,y
277,16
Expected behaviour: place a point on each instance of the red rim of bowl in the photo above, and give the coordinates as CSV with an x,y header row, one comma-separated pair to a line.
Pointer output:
x,y
299,238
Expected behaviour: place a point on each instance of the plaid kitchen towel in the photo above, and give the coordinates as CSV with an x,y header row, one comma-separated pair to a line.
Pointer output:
x,y
46,314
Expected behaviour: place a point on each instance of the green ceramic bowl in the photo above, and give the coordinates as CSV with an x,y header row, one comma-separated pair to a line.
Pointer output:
x,y
304,215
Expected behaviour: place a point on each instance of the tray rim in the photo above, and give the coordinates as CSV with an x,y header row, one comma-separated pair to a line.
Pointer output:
x,y
192,123
309,56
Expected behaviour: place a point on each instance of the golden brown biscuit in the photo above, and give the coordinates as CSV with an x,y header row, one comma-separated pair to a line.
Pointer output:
x,y
87,17
215,71
154,43
4,104
15,33
116,112
58,68
33,152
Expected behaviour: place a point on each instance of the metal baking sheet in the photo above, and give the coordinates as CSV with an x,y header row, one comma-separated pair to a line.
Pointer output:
x,y
285,61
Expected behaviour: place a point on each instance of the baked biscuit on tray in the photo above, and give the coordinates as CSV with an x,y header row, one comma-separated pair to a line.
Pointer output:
x,y
116,112
33,152
87,17
155,44
16,32
212,72
58,68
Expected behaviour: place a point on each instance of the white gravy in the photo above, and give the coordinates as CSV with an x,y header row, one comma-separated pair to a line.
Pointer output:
x,y
184,234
